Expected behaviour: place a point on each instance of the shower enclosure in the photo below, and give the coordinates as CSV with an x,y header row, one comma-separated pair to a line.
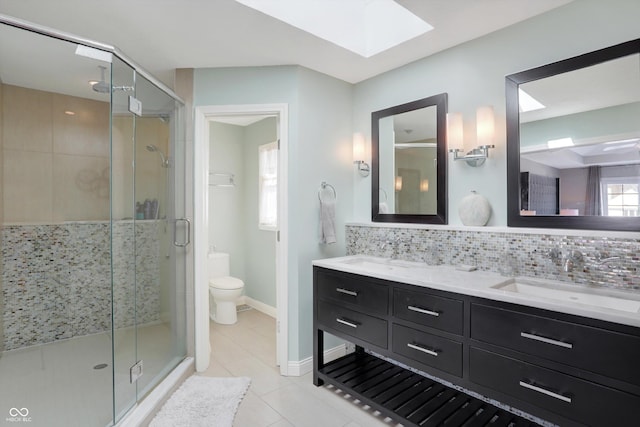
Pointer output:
x,y
92,230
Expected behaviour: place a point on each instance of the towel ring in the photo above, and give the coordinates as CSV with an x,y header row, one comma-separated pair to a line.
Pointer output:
x,y
323,187
386,197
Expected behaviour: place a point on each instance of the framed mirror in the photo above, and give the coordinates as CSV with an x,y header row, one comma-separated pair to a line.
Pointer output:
x,y
573,142
409,162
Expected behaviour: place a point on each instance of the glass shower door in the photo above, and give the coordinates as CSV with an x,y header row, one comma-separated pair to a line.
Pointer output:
x,y
160,235
123,232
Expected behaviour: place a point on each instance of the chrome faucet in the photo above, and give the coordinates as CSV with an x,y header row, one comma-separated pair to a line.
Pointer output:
x,y
574,257
395,244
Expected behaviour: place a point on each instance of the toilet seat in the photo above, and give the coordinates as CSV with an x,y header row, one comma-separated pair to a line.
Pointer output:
x,y
226,282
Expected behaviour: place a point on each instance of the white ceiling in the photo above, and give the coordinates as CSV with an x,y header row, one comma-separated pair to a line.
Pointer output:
x,y
162,35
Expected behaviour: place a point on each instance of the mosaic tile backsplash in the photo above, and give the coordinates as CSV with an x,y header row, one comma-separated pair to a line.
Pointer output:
x,y
56,279
598,261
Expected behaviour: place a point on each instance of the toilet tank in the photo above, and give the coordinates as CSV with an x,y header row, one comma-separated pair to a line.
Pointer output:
x,y
218,264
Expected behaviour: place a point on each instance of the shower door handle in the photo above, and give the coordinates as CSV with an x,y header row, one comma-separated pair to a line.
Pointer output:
x,y
175,226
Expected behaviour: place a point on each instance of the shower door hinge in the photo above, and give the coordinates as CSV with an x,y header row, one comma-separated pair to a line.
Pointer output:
x,y
135,372
278,236
278,144
135,106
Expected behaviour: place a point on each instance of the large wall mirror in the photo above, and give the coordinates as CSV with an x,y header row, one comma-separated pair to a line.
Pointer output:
x,y
409,159
573,142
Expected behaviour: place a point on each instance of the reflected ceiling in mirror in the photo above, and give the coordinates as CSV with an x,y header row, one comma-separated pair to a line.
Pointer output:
x,y
409,162
573,142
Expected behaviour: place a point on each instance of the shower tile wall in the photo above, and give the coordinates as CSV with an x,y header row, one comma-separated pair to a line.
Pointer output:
x,y
57,281
608,262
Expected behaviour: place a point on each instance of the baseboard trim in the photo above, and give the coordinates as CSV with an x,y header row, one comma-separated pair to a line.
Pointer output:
x,y
304,366
260,306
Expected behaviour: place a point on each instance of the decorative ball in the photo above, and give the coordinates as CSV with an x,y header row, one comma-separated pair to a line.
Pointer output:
x,y
474,210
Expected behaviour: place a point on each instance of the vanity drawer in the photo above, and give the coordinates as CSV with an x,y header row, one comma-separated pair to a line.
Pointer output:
x,y
439,352
354,290
367,328
601,351
570,397
441,313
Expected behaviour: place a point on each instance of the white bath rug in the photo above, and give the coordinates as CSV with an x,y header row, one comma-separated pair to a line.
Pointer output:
x,y
203,402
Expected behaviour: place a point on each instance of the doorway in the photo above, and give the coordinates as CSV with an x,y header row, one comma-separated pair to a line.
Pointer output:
x,y
205,117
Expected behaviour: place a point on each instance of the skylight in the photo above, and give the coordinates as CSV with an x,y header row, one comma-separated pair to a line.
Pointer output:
x,y
560,143
366,27
528,102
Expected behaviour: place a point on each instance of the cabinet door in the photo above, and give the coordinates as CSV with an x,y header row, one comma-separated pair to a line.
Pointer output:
x,y
569,397
425,309
597,350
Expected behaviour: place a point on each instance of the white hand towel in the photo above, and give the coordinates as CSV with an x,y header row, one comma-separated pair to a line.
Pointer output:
x,y
383,208
328,221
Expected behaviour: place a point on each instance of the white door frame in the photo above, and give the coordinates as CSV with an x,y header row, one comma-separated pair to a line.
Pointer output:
x,y
203,116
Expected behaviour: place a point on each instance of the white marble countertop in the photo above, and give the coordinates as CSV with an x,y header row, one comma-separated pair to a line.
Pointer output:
x,y
496,287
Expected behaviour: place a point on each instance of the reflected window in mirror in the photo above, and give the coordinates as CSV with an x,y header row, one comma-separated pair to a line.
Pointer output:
x,y
409,162
573,142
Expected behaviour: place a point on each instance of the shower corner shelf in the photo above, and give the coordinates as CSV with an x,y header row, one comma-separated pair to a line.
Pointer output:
x,y
229,180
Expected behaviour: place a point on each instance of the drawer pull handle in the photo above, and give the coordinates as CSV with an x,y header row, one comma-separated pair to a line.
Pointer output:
x,y
423,311
546,340
422,349
545,391
344,322
347,292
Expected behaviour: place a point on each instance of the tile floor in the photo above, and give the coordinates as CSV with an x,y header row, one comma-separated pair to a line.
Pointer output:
x,y
248,348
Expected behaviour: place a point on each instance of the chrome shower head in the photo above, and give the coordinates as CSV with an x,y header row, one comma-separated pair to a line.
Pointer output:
x,y
152,148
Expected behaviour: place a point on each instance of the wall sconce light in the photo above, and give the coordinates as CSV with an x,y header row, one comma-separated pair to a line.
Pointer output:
x,y
359,153
398,183
424,185
485,130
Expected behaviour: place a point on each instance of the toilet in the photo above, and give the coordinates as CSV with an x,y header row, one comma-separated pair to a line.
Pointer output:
x,y
224,290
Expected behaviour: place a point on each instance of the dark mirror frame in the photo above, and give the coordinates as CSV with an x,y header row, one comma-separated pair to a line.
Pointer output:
x,y
440,217
514,219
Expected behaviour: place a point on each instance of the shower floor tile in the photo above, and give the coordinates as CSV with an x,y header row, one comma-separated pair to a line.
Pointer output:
x,y
59,386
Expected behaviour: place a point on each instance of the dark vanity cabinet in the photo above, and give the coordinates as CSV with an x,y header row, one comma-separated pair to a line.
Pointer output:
x,y
565,369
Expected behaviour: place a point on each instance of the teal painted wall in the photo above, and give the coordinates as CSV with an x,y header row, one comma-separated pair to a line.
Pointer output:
x,y
259,245
226,204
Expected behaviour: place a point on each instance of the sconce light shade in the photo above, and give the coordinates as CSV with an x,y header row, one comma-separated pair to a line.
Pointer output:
x,y
398,183
455,131
485,125
358,147
485,129
424,185
359,154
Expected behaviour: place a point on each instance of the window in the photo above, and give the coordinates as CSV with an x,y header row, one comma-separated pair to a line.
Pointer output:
x,y
620,196
268,186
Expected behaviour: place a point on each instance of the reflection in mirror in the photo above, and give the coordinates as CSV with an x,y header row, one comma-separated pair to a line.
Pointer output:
x,y
408,144
409,161
574,142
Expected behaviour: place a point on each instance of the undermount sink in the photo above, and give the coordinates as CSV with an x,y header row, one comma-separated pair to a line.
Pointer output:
x,y
615,300
379,264
406,269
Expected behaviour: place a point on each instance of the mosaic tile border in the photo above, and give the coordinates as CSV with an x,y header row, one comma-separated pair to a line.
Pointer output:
x,y
611,262
56,279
